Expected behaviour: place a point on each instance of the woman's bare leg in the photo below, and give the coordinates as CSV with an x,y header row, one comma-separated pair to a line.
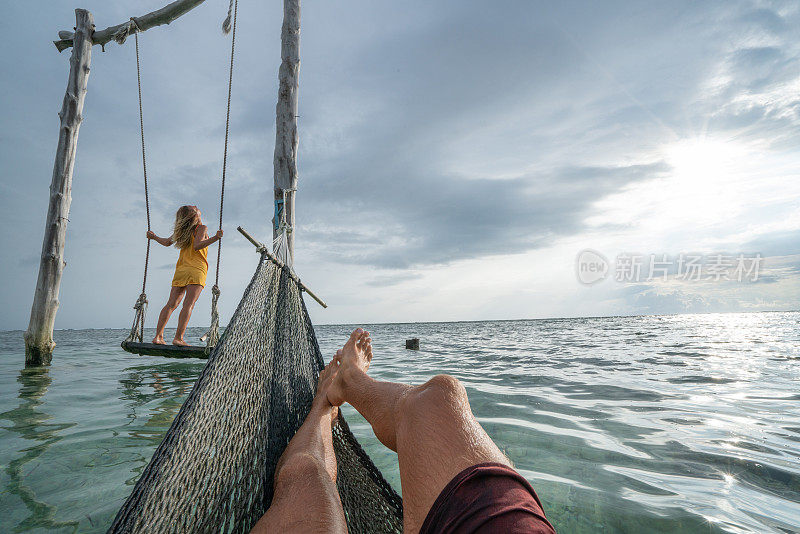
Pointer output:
x,y
192,294
175,296
306,499
431,426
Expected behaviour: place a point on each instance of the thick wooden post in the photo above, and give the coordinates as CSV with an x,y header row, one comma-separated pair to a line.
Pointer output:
x,y
286,140
39,336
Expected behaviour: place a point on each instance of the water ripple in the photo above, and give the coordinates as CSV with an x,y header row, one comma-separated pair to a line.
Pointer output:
x,y
622,424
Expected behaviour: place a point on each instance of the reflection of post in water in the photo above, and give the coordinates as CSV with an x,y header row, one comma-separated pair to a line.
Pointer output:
x,y
32,425
141,385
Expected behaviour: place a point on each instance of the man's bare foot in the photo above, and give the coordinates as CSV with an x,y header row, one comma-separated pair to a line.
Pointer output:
x,y
320,403
321,413
159,340
354,358
179,342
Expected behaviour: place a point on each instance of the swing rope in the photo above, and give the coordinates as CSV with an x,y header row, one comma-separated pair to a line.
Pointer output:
x,y
212,337
137,330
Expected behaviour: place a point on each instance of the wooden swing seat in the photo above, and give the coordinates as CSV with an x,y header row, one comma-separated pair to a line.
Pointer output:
x,y
169,351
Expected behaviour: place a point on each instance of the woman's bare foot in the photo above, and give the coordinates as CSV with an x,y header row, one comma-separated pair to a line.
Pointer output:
x,y
353,359
159,340
179,342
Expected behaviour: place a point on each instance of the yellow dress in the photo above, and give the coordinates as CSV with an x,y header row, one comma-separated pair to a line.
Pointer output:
x,y
192,267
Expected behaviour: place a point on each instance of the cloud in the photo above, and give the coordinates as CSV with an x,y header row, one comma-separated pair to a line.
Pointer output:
x,y
405,221
652,301
776,288
778,243
753,90
391,280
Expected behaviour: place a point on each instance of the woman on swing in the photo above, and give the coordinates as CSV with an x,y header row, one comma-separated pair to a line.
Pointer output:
x,y
191,237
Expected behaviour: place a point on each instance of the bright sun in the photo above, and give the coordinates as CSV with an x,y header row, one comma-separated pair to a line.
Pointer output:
x,y
707,184
702,159
702,177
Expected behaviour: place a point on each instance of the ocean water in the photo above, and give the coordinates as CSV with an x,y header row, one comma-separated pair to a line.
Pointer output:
x,y
687,423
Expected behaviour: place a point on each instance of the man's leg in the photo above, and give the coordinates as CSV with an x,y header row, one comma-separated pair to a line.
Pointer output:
x,y
306,499
431,426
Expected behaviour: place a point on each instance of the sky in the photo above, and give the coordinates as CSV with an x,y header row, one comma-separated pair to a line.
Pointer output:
x,y
457,159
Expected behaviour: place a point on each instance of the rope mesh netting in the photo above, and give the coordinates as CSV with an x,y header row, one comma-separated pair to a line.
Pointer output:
x,y
213,471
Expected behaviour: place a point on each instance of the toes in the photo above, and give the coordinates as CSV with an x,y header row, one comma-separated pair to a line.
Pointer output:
x,y
328,372
363,340
356,334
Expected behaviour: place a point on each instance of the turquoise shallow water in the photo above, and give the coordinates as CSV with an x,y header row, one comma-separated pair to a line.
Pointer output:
x,y
642,424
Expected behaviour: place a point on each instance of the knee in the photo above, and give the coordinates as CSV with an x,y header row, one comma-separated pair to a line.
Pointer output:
x,y
299,467
446,388
442,395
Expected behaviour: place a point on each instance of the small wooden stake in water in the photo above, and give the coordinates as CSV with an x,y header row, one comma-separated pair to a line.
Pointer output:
x,y
412,343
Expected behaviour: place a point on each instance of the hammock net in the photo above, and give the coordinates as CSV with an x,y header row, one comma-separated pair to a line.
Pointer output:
x,y
213,472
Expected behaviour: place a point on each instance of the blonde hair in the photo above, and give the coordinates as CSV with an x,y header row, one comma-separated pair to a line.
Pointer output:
x,y
185,225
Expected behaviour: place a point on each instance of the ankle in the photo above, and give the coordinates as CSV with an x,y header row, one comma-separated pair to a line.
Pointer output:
x,y
321,410
353,377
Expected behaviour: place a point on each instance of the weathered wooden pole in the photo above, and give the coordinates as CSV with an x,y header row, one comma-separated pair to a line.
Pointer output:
x,y
39,336
286,140
120,32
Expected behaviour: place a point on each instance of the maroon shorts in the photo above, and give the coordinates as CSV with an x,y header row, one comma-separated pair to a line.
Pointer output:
x,y
488,497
